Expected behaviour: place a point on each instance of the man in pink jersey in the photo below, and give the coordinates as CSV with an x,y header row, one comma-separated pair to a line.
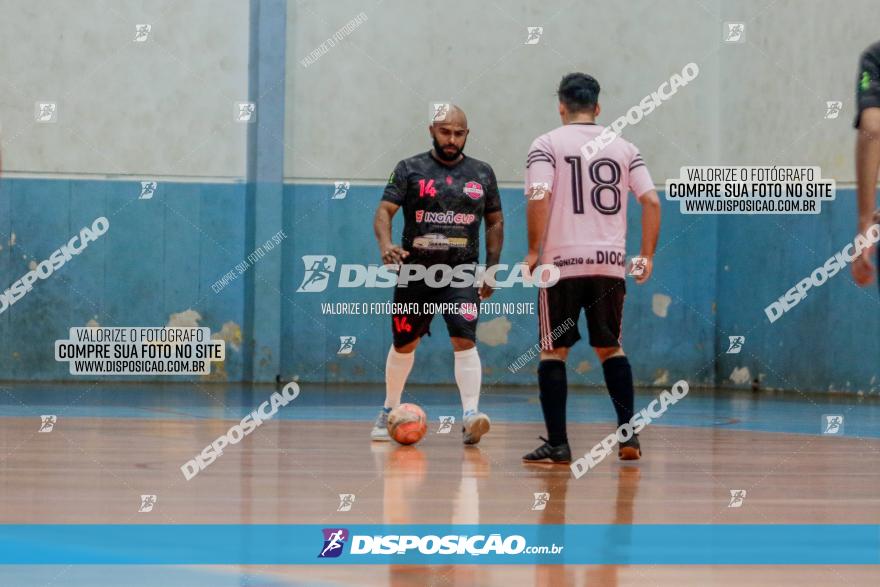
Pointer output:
x,y
577,221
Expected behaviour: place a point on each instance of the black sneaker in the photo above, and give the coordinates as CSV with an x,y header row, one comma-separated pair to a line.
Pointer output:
x,y
630,450
547,453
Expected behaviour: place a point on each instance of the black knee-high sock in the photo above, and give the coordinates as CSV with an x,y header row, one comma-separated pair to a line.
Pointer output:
x,y
553,384
619,379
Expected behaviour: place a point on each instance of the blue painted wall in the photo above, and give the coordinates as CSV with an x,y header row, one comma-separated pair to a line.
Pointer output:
x,y
161,256
830,341
682,344
719,272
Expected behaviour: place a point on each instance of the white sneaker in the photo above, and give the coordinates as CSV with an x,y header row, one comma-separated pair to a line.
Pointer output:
x,y
476,424
380,427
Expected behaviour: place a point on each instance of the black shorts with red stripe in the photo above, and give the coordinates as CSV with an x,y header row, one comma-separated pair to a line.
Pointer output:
x,y
560,305
459,306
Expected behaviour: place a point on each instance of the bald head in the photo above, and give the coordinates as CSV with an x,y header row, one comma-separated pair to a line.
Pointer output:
x,y
449,135
454,116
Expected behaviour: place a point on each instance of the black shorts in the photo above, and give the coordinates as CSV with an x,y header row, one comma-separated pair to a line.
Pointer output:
x,y
416,300
559,309
868,82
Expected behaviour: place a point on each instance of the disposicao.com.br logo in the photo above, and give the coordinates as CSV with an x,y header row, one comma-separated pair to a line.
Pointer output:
x,y
319,270
334,540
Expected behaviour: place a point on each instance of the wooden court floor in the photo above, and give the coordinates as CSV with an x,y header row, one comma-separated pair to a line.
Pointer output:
x,y
289,471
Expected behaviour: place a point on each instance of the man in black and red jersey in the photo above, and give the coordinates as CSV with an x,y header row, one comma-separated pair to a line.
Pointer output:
x,y
445,195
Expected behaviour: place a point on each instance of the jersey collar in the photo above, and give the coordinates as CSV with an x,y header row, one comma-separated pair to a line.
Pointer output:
x,y
441,164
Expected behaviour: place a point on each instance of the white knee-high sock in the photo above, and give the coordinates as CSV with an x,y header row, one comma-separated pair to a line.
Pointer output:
x,y
397,368
468,376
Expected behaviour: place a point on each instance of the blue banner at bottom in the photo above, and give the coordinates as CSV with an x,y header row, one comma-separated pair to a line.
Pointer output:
x,y
267,544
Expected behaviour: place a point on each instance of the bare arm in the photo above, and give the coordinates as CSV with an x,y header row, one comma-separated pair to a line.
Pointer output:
x,y
650,223
494,242
382,228
650,231
494,237
537,213
867,164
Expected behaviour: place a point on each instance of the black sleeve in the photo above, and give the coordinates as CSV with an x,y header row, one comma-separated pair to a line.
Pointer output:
x,y
395,189
493,198
868,84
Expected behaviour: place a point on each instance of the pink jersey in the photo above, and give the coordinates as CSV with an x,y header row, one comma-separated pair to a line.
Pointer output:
x,y
586,234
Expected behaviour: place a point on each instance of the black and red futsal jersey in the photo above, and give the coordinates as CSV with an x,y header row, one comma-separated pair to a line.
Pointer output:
x,y
443,209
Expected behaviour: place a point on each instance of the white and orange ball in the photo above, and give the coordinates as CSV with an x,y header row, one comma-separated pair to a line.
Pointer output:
x,y
407,423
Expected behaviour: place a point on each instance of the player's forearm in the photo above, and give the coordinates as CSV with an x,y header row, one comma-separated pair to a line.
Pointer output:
x,y
650,224
382,228
536,222
867,163
494,242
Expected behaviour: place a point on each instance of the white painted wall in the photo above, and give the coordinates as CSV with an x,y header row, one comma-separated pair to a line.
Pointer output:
x,y
799,54
363,106
164,107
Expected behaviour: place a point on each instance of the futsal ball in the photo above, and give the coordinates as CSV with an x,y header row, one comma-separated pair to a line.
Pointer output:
x,y
407,423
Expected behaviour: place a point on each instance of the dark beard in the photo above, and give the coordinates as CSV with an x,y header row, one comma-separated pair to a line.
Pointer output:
x,y
443,155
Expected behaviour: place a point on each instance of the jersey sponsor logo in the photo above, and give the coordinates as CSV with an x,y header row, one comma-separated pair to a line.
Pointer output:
x,y
474,190
602,258
447,217
866,81
439,242
611,258
431,242
560,262
468,311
